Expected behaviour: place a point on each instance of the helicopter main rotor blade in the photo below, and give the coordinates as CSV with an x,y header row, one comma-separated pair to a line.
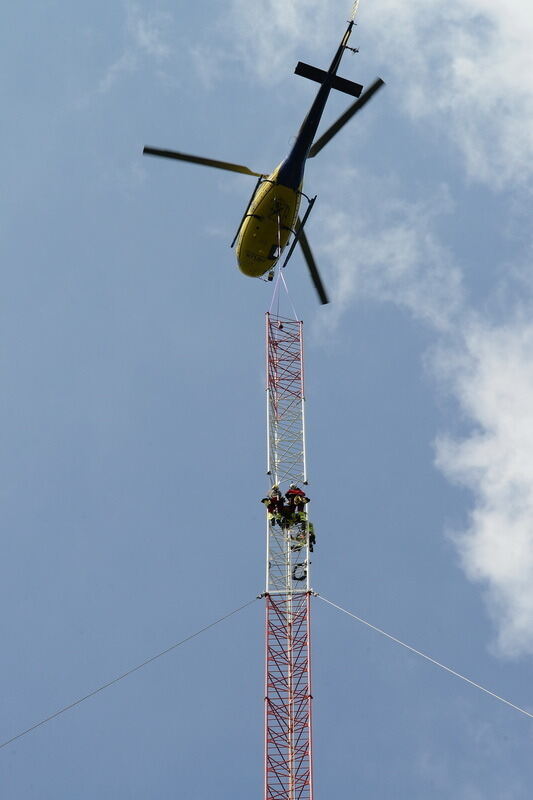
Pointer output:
x,y
207,162
311,264
348,114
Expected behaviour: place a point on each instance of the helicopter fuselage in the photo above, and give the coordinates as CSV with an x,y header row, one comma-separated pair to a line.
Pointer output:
x,y
265,230
273,211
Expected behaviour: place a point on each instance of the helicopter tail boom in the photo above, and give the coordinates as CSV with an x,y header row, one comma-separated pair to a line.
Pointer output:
x,y
320,75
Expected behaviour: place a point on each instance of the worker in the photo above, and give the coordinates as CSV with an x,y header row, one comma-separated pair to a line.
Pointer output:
x,y
306,535
298,540
275,505
312,537
296,498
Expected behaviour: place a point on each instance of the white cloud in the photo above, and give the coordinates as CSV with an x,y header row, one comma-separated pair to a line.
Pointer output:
x,y
127,63
394,255
265,36
148,32
466,69
467,66
145,38
387,250
491,374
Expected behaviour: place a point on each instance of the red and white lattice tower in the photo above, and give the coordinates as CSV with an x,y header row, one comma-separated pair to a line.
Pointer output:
x,y
288,751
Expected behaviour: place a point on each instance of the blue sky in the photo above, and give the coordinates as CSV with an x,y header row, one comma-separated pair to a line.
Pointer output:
x,y
132,404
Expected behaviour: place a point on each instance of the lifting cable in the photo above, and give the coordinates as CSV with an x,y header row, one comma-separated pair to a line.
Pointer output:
x,y
288,295
428,658
125,674
280,278
275,293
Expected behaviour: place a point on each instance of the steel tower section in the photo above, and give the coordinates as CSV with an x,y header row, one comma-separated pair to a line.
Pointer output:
x,y
288,729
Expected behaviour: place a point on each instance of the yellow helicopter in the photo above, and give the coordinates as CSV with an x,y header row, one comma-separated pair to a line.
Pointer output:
x,y
272,212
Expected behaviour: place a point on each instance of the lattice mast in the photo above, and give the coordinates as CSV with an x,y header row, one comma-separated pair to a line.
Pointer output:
x,y
288,740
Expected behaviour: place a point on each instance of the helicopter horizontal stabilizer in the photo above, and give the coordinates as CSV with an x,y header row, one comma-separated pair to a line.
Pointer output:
x,y
319,75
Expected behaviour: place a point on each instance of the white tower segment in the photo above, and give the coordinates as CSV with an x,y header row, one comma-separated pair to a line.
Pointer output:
x,y
287,558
